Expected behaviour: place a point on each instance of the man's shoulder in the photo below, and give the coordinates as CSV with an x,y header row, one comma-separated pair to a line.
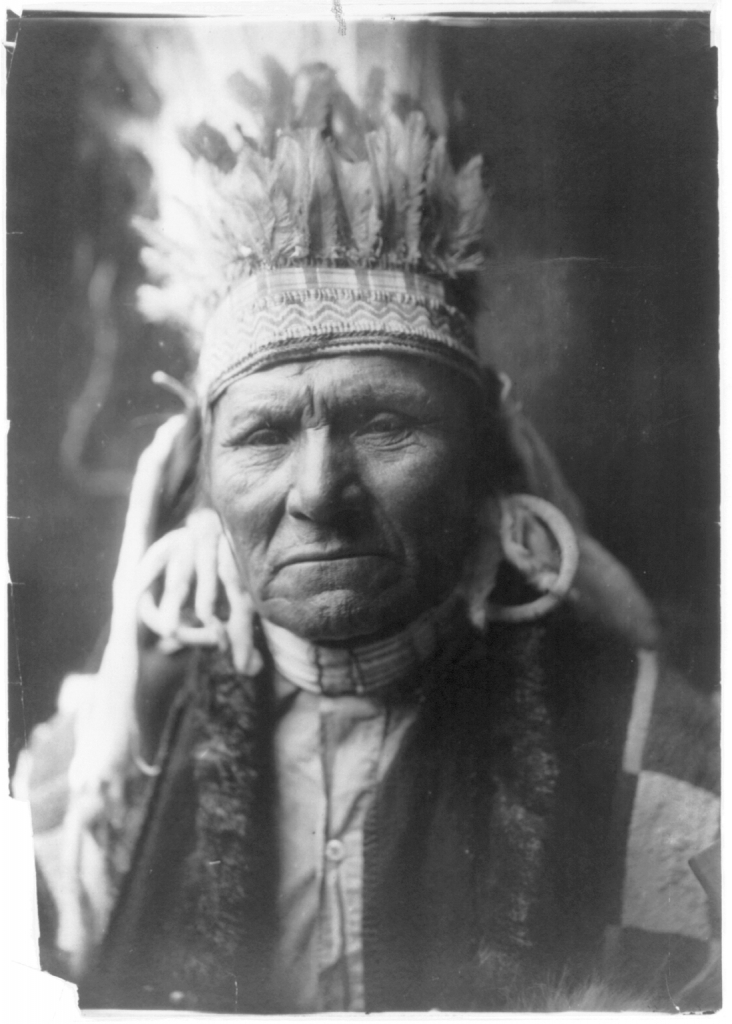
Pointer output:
x,y
665,814
683,737
597,680
639,749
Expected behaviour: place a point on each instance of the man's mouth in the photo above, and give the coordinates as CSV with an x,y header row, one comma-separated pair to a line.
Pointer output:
x,y
332,555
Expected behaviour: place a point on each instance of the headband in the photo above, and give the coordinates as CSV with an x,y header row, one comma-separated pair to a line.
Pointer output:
x,y
299,313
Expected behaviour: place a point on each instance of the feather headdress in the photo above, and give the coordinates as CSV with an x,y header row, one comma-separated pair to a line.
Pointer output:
x,y
292,223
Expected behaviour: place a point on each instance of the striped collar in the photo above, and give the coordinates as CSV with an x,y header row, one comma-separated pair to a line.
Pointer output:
x,y
358,669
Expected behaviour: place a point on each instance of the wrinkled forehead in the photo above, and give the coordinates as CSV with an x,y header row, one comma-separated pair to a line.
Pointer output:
x,y
330,386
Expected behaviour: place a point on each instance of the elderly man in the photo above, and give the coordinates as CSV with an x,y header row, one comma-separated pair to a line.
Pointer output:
x,y
389,808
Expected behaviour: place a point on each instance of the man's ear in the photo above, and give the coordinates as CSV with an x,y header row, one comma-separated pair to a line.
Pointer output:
x,y
533,536
528,541
538,540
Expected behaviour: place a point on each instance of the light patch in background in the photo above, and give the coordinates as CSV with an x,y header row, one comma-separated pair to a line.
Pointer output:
x,y
38,997
671,822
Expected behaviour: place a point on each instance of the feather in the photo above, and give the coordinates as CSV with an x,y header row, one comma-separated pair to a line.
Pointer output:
x,y
374,95
315,88
323,211
396,166
286,242
357,193
346,128
471,207
343,225
290,167
246,210
416,155
279,110
272,106
255,105
439,203
378,146
310,184
210,144
247,92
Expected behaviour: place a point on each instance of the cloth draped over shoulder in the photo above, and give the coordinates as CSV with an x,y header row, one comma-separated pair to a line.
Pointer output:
x,y
533,831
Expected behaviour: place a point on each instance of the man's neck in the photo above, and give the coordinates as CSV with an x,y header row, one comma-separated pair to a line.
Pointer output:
x,y
359,667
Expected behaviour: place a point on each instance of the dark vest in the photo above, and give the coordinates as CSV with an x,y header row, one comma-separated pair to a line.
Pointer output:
x,y
491,850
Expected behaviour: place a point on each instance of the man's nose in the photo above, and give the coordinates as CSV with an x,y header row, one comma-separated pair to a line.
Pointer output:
x,y
325,483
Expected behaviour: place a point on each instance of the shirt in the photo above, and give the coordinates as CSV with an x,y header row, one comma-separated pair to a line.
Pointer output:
x,y
338,731
330,753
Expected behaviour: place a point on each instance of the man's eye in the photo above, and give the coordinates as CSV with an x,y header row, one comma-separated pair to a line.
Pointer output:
x,y
267,436
384,423
263,437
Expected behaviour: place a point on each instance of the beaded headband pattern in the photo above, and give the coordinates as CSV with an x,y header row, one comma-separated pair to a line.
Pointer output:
x,y
314,312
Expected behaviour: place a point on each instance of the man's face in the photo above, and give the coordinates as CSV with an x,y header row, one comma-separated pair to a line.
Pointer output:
x,y
343,487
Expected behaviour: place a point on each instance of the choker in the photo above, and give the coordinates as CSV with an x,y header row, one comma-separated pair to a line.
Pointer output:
x,y
359,668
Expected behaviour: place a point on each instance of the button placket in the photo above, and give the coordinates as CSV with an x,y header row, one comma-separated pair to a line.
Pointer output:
x,y
335,851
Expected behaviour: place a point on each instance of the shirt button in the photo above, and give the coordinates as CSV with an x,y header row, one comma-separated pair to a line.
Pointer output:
x,y
334,850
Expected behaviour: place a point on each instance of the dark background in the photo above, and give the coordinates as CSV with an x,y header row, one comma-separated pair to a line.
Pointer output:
x,y
602,304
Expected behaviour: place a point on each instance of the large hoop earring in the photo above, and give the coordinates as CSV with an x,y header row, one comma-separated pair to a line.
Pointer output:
x,y
556,589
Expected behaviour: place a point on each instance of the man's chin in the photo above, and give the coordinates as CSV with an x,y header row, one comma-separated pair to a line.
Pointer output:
x,y
338,616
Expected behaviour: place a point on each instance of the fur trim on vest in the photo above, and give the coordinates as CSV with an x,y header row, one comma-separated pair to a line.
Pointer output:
x,y
483,852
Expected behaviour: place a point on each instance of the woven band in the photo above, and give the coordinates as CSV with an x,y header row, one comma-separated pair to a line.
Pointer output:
x,y
362,668
277,316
